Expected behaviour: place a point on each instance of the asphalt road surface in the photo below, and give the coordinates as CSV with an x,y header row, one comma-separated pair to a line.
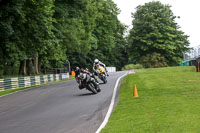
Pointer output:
x,y
56,108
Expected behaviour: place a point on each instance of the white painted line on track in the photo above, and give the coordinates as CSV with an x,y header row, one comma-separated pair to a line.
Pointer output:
x,y
103,124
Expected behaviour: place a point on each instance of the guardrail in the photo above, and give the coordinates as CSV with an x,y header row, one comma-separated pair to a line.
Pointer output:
x,y
21,82
111,69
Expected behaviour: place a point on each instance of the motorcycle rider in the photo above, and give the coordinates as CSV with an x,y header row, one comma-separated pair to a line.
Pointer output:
x,y
98,63
91,74
78,71
77,77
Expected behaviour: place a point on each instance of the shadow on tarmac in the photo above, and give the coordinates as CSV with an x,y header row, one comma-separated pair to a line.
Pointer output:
x,y
86,94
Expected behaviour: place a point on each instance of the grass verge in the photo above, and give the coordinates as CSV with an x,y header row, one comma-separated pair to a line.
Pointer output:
x,y
168,102
19,89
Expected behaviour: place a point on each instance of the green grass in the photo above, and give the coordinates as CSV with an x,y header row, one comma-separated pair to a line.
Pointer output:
x,y
20,89
168,102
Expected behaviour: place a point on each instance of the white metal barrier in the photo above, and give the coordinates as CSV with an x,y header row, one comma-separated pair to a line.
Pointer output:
x,y
111,69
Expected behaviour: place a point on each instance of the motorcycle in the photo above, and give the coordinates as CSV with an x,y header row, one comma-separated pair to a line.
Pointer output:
x,y
101,72
85,80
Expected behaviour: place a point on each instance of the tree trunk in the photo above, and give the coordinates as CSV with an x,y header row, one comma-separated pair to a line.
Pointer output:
x,y
1,70
22,68
30,67
39,66
36,63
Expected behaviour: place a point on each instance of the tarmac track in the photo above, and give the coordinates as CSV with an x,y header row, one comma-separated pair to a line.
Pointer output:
x,y
56,108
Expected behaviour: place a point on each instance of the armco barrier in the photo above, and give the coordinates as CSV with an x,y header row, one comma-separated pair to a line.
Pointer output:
x,y
20,82
111,69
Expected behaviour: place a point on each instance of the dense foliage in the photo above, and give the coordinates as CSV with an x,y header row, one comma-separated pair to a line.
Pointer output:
x,y
45,34
155,39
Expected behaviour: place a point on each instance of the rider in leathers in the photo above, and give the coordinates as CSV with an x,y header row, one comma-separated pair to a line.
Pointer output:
x,y
78,71
95,66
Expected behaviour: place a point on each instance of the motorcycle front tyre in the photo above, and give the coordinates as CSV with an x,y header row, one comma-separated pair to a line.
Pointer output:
x,y
104,79
91,87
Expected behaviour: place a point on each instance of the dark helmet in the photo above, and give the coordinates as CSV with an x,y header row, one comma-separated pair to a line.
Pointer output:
x,y
77,70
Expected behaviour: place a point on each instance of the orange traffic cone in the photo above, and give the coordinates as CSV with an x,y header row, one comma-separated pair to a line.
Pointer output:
x,y
135,93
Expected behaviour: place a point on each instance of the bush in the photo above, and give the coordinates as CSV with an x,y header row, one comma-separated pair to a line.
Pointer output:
x,y
132,66
154,60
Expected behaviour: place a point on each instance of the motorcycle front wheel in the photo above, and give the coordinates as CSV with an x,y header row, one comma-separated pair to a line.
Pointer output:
x,y
91,87
104,79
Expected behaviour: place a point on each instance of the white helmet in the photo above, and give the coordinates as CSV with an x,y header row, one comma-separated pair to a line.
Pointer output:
x,y
96,61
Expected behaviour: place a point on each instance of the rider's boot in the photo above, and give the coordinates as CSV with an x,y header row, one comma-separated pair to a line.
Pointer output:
x,y
97,81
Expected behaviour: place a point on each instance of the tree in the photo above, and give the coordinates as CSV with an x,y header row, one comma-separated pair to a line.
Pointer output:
x,y
90,29
155,31
119,54
12,18
41,44
45,34
109,33
75,22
